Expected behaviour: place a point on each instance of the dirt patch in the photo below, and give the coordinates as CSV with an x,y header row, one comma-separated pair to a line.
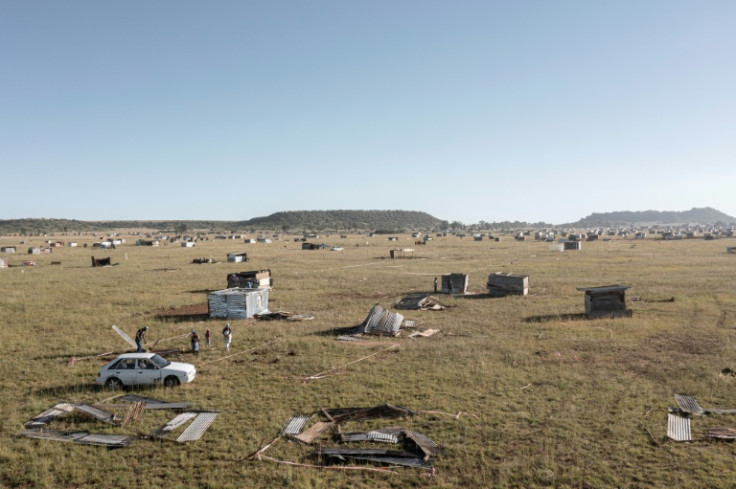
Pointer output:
x,y
194,312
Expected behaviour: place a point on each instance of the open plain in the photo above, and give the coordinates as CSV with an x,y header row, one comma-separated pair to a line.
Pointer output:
x,y
545,397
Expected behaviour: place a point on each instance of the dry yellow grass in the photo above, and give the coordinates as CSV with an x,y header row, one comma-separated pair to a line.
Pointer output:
x,y
559,402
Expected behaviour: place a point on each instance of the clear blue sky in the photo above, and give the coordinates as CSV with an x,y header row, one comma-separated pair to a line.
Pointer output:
x,y
469,110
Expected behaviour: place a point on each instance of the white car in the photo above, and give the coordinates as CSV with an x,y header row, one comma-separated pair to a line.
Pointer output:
x,y
144,369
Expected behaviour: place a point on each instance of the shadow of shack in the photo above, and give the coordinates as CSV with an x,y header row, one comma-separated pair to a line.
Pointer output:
x,y
606,301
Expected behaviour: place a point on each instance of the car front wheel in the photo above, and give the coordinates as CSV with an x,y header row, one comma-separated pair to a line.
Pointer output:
x,y
113,383
171,381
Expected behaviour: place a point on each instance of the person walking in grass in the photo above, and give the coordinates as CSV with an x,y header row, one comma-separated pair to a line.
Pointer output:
x,y
195,342
227,335
140,335
207,336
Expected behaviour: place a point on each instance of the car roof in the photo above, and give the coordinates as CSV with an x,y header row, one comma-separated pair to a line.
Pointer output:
x,y
136,355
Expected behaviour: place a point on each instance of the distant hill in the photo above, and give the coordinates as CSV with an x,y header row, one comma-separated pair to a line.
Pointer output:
x,y
374,220
293,221
704,215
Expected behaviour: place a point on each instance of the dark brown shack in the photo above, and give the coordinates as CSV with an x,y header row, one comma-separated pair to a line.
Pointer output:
x,y
606,301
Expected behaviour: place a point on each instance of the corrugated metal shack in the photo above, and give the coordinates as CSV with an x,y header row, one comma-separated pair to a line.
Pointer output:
x,y
310,246
381,321
237,303
502,284
257,278
7,249
455,283
237,257
572,245
606,301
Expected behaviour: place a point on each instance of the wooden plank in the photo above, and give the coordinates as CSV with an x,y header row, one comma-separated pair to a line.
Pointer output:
x,y
313,432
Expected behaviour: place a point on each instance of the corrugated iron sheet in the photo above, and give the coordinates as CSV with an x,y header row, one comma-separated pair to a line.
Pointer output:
x,y
96,413
43,418
170,426
124,336
200,424
382,321
386,411
237,303
295,425
426,445
689,405
81,437
391,457
377,436
678,427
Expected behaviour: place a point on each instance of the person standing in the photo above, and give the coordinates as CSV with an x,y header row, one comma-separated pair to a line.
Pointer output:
x,y
227,335
207,336
195,342
140,335
435,285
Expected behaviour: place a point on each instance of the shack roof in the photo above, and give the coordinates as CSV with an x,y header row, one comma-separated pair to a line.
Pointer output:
x,y
603,289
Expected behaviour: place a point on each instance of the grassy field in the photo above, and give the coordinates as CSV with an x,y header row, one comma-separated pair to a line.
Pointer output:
x,y
552,400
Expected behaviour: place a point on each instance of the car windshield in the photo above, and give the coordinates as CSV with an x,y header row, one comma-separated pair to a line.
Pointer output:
x,y
161,362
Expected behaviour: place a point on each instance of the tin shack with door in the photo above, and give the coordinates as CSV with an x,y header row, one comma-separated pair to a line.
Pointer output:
x,y
237,303
606,301
455,283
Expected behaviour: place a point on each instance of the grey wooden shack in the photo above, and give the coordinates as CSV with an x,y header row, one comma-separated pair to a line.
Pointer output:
x,y
502,284
237,303
455,283
606,301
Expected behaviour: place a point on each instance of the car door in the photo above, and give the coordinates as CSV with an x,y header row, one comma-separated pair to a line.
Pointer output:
x,y
125,370
147,372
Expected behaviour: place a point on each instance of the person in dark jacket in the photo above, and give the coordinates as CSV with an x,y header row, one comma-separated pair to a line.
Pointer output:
x,y
140,335
195,342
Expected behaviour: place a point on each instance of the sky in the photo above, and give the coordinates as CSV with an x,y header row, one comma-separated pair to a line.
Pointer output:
x,y
530,110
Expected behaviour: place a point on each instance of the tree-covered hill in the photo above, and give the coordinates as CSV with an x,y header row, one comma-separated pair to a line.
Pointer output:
x,y
704,215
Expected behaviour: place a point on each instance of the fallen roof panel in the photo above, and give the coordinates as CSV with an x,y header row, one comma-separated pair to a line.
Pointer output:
x,y
199,425
81,437
96,413
375,412
678,427
424,443
295,425
43,418
689,404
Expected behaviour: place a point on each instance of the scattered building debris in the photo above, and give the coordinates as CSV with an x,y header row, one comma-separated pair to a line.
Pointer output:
x,y
722,433
503,284
415,449
283,315
381,321
237,303
3,262
455,283
420,301
202,261
254,279
37,427
606,301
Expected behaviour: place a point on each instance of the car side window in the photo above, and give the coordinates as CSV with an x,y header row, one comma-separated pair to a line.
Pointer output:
x,y
115,365
144,363
128,364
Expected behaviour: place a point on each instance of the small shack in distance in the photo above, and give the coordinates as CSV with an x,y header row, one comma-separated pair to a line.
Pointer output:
x,y
606,301
237,257
237,303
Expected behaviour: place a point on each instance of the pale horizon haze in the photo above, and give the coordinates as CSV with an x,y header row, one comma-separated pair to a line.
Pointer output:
x,y
470,110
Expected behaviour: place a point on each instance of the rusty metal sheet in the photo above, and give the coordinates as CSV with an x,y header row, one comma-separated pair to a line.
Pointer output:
x,y
722,433
199,425
43,418
295,425
678,427
689,405
386,411
391,457
313,432
424,443
96,413
81,437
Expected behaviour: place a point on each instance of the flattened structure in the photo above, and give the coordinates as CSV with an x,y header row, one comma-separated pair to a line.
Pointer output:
x,y
381,321
678,427
420,301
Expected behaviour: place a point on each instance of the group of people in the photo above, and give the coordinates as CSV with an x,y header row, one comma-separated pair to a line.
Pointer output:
x,y
227,337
